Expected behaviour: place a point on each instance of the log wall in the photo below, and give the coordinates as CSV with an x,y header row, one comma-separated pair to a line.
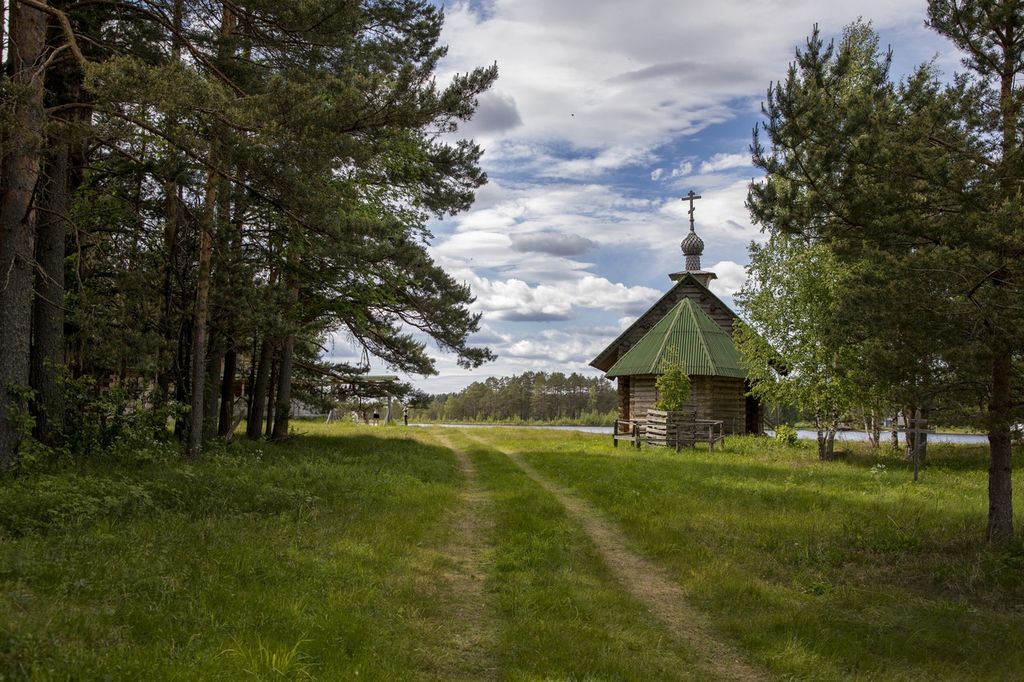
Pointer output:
x,y
642,394
623,383
719,398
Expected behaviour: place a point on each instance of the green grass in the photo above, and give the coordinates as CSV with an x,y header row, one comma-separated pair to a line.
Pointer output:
x,y
325,558
585,419
284,562
821,570
561,614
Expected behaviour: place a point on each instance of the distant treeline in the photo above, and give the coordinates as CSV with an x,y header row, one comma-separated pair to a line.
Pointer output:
x,y
533,396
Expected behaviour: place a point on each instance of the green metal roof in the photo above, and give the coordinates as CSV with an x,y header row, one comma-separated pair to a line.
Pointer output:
x,y
686,335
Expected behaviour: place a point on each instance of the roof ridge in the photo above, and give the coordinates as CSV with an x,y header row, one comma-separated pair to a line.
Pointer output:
x,y
710,354
687,278
697,322
668,332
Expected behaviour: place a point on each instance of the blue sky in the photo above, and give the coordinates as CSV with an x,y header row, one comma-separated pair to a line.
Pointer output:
x,y
605,114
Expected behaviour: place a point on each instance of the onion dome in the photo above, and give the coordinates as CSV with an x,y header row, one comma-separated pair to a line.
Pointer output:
x,y
693,247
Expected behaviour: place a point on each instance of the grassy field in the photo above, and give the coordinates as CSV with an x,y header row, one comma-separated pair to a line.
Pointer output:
x,y
392,553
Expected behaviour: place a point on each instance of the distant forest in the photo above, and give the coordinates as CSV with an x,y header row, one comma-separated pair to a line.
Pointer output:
x,y
532,396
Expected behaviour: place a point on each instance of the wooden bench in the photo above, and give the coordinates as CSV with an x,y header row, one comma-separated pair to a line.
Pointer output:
x,y
669,429
627,429
710,431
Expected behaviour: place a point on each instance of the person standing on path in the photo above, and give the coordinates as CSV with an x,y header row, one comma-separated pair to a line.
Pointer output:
x,y
405,414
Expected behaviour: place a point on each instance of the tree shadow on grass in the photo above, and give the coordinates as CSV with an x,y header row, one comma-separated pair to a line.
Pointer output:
x,y
245,477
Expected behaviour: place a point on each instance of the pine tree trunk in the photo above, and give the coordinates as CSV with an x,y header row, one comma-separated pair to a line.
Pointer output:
x,y
3,42
284,390
1000,487
182,385
170,246
214,375
230,263
922,443
226,421
197,402
284,382
250,381
258,397
48,308
274,372
1000,483
27,38
166,324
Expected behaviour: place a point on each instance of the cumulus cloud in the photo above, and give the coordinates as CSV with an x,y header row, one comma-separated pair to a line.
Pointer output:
x,y
552,243
682,170
602,117
558,346
516,300
585,163
496,112
731,278
720,214
721,162
610,76
488,335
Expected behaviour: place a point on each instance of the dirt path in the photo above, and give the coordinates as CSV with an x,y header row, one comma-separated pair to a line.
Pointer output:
x,y
468,655
645,581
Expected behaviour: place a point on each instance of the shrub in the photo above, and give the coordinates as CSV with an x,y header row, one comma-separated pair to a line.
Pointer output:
x,y
673,388
115,422
786,435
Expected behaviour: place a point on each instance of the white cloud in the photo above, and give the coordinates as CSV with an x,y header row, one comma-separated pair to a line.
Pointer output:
x,y
558,346
604,114
516,300
721,162
609,76
682,170
586,165
731,278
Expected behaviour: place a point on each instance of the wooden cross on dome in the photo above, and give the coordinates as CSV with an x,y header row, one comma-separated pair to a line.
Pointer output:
x,y
691,197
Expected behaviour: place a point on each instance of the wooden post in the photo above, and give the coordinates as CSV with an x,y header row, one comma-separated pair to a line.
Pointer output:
x,y
917,430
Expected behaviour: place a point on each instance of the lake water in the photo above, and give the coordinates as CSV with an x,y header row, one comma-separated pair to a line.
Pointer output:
x,y
961,438
805,434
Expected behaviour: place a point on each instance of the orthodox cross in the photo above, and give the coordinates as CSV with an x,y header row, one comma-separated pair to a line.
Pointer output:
x,y
691,197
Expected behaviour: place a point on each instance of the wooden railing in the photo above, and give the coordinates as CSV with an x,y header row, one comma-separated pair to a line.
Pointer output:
x,y
710,431
669,429
627,429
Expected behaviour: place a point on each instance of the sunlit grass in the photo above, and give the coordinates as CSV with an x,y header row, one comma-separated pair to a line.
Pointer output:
x,y
324,558
561,614
822,570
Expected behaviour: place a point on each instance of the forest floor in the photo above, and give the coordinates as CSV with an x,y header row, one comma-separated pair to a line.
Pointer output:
x,y
392,553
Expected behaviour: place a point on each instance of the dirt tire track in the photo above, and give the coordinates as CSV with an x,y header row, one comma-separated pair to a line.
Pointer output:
x,y
472,628
645,581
